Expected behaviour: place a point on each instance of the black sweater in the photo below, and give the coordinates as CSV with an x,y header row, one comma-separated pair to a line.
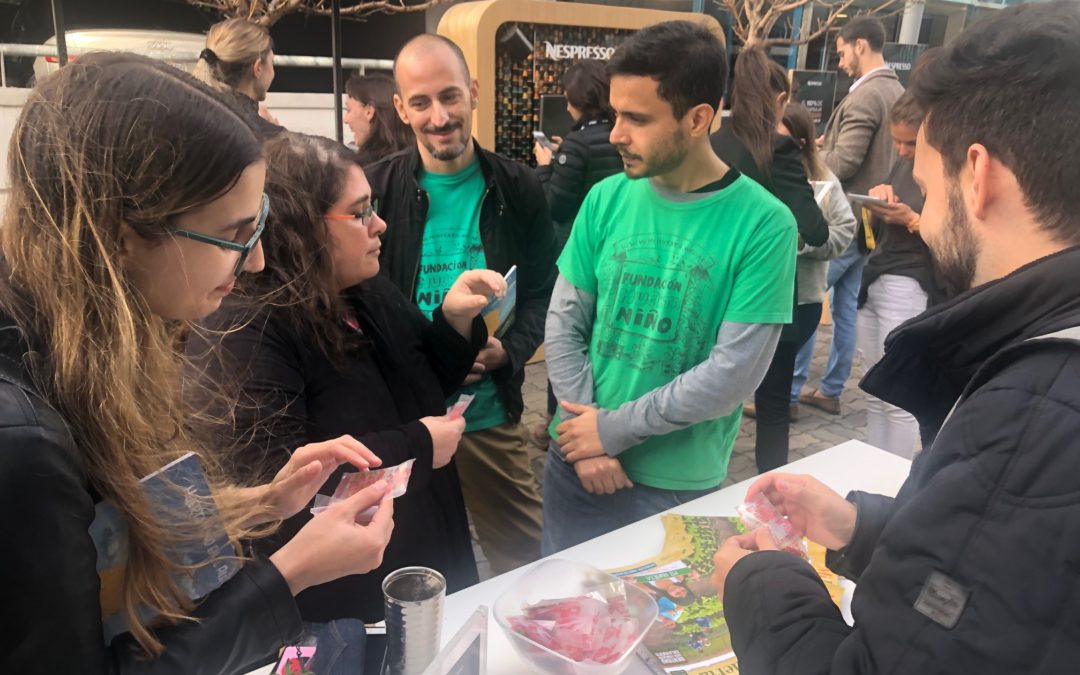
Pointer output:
x,y
292,394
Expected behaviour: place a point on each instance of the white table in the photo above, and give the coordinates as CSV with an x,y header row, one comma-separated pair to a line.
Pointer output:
x,y
853,465
849,466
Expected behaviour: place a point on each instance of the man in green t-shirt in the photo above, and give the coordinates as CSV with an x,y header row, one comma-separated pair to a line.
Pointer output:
x,y
450,206
669,302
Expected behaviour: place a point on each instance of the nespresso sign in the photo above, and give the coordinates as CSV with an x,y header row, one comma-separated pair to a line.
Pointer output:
x,y
561,52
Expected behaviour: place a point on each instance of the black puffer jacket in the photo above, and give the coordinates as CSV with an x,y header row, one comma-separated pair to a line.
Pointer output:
x,y
51,619
585,158
975,566
515,228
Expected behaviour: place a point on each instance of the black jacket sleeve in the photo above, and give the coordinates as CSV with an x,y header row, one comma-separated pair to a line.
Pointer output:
x,y
781,617
451,356
52,613
564,179
872,514
791,186
536,276
271,419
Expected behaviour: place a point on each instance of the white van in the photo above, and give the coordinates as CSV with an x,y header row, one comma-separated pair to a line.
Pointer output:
x,y
179,49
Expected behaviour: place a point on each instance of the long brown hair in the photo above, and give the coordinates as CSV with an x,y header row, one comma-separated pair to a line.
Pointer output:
x,y
116,140
757,83
305,177
234,46
800,123
388,133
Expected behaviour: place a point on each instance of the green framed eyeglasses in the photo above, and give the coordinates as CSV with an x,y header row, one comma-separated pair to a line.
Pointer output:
x,y
242,249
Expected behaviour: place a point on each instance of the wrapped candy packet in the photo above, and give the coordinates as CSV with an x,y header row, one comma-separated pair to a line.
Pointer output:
x,y
460,406
758,512
595,628
353,482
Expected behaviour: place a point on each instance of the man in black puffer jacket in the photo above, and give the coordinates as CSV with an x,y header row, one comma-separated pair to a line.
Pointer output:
x,y
975,566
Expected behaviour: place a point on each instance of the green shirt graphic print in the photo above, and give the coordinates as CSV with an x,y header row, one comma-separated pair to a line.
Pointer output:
x,y
666,273
452,245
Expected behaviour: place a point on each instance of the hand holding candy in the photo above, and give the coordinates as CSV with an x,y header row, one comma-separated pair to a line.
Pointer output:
x,y
397,478
758,512
813,509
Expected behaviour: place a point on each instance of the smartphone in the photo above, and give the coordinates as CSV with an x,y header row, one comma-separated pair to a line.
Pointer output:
x,y
867,200
543,140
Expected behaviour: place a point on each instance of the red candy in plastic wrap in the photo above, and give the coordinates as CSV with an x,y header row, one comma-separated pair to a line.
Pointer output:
x,y
355,481
583,628
759,512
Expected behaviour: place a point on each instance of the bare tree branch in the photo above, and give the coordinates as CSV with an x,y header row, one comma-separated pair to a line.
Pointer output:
x,y
268,12
753,20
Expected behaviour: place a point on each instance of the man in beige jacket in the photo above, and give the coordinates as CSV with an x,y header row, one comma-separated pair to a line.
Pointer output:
x,y
858,149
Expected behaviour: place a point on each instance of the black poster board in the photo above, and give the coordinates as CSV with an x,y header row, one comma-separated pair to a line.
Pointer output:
x,y
901,58
816,89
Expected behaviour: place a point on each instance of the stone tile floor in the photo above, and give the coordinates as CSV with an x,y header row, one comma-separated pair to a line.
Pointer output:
x,y
814,431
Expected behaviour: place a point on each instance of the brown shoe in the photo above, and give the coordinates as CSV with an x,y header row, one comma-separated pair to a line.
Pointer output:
x,y
749,411
794,414
826,403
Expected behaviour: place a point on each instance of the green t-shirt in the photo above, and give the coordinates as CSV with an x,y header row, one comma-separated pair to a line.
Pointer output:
x,y
666,273
452,245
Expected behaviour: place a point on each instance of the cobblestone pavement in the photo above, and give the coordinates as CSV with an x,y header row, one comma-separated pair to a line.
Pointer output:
x,y
814,431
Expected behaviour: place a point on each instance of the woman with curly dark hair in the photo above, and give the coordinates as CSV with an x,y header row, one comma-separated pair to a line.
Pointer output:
x,y
322,344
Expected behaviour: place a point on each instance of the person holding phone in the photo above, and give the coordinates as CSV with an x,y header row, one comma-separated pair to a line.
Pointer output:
x,y
571,166
899,281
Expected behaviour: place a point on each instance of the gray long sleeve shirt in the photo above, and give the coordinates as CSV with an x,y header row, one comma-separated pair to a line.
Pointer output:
x,y
713,388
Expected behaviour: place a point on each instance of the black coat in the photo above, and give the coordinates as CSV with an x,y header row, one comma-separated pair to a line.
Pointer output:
x,y
515,228
585,157
51,619
292,394
986,529
786,180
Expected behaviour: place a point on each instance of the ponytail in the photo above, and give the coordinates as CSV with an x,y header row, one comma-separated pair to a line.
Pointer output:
x,y
756,85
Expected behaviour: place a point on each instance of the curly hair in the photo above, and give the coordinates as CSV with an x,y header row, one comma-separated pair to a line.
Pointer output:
x,y
305,177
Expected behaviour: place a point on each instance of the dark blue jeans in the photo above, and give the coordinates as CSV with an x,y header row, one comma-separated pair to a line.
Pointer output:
x,y
339,647
572,515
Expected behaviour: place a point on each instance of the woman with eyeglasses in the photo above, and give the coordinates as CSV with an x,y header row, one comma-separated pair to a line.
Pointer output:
x,y
321,345
136,201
